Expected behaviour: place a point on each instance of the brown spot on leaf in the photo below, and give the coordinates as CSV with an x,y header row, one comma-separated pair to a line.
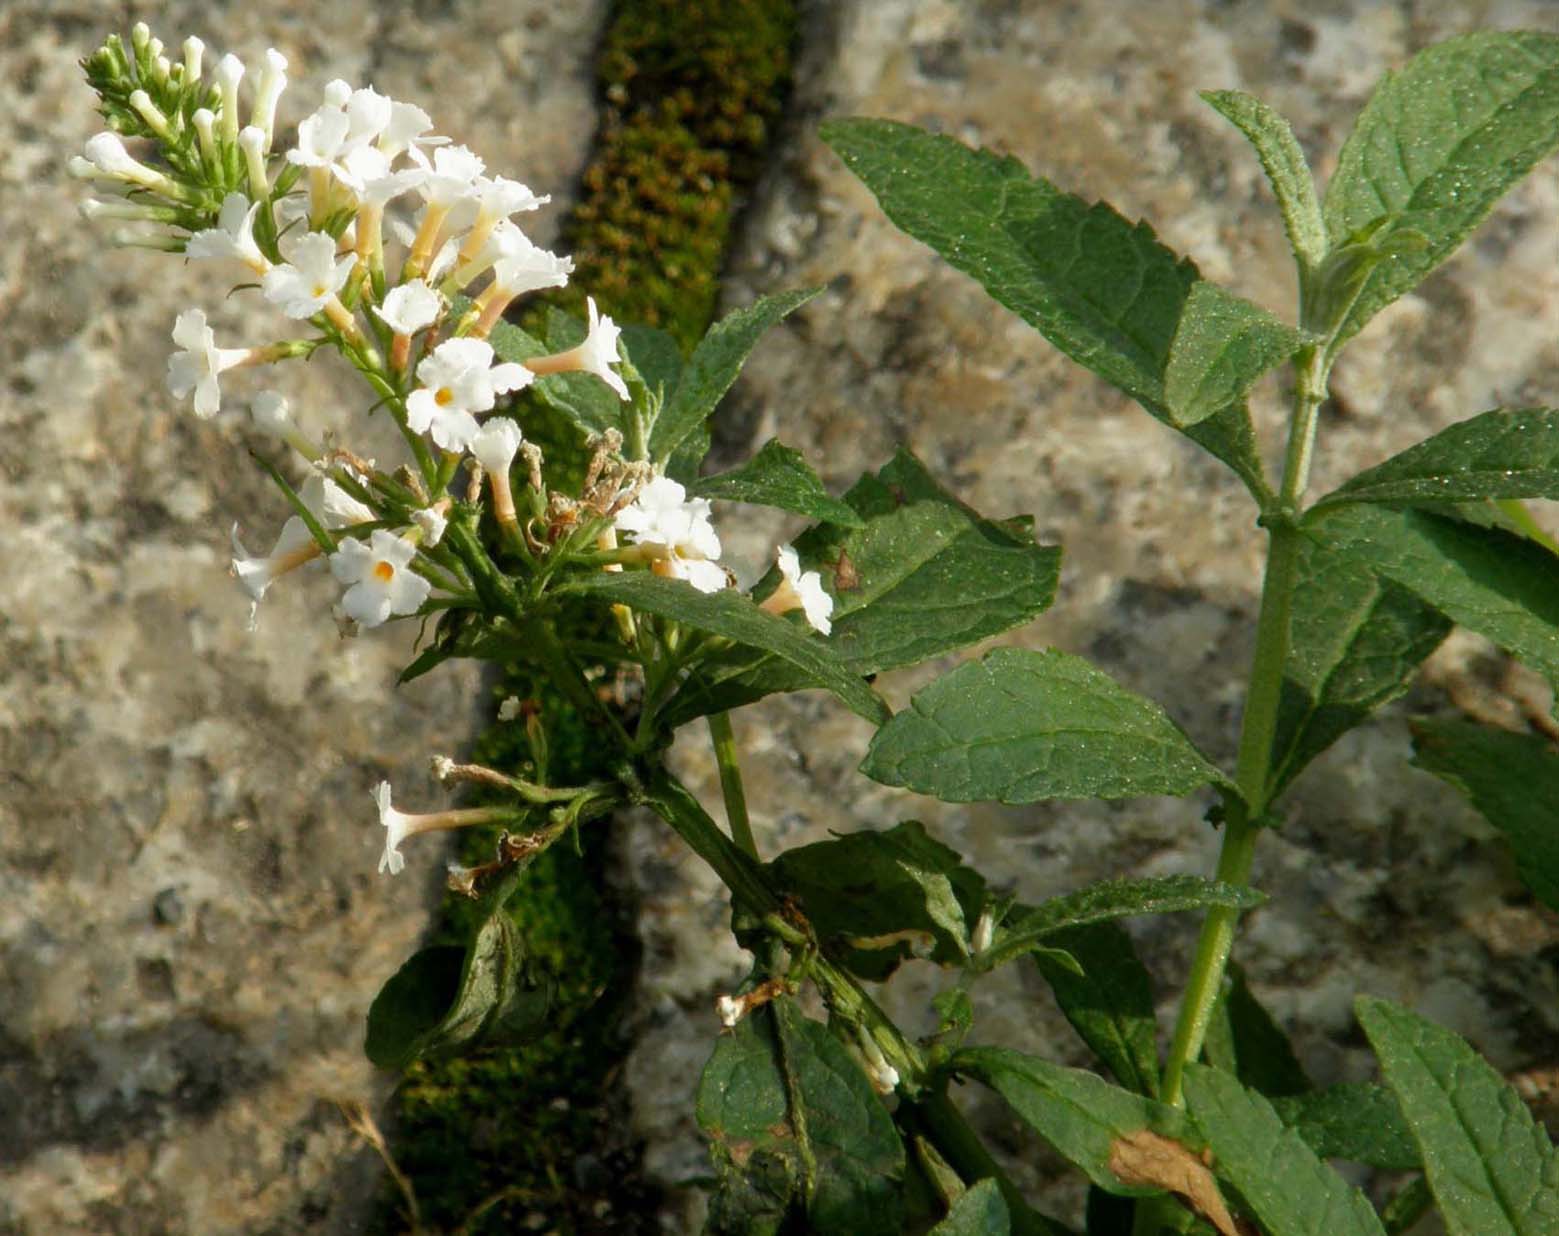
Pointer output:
x,y
845,577
1147,1159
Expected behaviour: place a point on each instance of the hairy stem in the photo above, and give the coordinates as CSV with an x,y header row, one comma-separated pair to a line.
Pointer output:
x,y
1258,728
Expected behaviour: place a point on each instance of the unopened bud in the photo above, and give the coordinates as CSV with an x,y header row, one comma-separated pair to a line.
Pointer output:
x,y
194,49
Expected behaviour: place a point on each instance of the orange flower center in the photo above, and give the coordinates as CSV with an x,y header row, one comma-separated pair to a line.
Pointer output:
x,y
384,572
444,397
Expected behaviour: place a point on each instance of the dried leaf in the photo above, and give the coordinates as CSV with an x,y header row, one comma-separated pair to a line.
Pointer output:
x,y
1151,1160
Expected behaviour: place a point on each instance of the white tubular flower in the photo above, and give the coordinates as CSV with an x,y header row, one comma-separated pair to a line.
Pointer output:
x,y
233,236
380,581
271,414
803,591
410,307
108,158
203,118
398,825
294,547
595,355
408,123
368,113
677,532
332,505
729,1010
252,142
302,287
432,521
459,379
150,113
366,171
495,446
199,363
452,175
194,49
320,137
495,199
230,70
518,265
337,93
273,80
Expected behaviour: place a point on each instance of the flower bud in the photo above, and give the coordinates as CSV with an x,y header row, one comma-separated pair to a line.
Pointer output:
x,y
194,49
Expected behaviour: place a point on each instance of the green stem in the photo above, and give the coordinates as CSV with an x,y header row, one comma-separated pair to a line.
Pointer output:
x,y
1258,728
966,1154
731,781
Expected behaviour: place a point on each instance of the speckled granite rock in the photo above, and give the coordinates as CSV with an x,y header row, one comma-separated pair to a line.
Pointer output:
x,y
1380,879
190,924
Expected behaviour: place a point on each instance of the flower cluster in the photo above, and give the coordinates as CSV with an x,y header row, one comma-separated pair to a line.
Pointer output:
x,y
309,223
313,226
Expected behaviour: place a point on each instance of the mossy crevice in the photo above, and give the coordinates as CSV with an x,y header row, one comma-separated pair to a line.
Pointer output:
x,y
537,1135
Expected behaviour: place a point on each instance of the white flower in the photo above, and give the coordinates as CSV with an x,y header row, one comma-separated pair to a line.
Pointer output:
x,y
595,355
294,546
496,444
498,197
410,307
452,175
108,157
332,505
379,578
408,123
519,265
273,80
803,591
368,115
198,365
230,70
301,287
271,414
459,379
367,172
599,350
510,708
233,236
252,141
663,516
729,1010
320,137
432,521
397,825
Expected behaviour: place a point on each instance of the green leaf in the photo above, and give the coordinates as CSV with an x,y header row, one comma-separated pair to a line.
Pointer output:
x,y
712,368
1355,642
1286,169
655,355
1436,146
979,1211
1492,1168
1110,1004
875,898
925,575
1222,345
1290,1190
1513,779
1245,1040
1507,453
782,1100
1500,585
734,616
1110,899
1102,290
1077,1112
1020,726
1354,1121
780,477
437,1004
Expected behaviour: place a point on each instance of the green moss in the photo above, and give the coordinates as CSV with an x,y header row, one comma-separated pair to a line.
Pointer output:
x,y
693,89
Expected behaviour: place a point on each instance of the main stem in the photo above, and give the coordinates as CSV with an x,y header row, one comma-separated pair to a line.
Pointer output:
x,y
1259,726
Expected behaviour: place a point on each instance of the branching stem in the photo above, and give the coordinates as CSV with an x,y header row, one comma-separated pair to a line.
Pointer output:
x,y
1259,726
